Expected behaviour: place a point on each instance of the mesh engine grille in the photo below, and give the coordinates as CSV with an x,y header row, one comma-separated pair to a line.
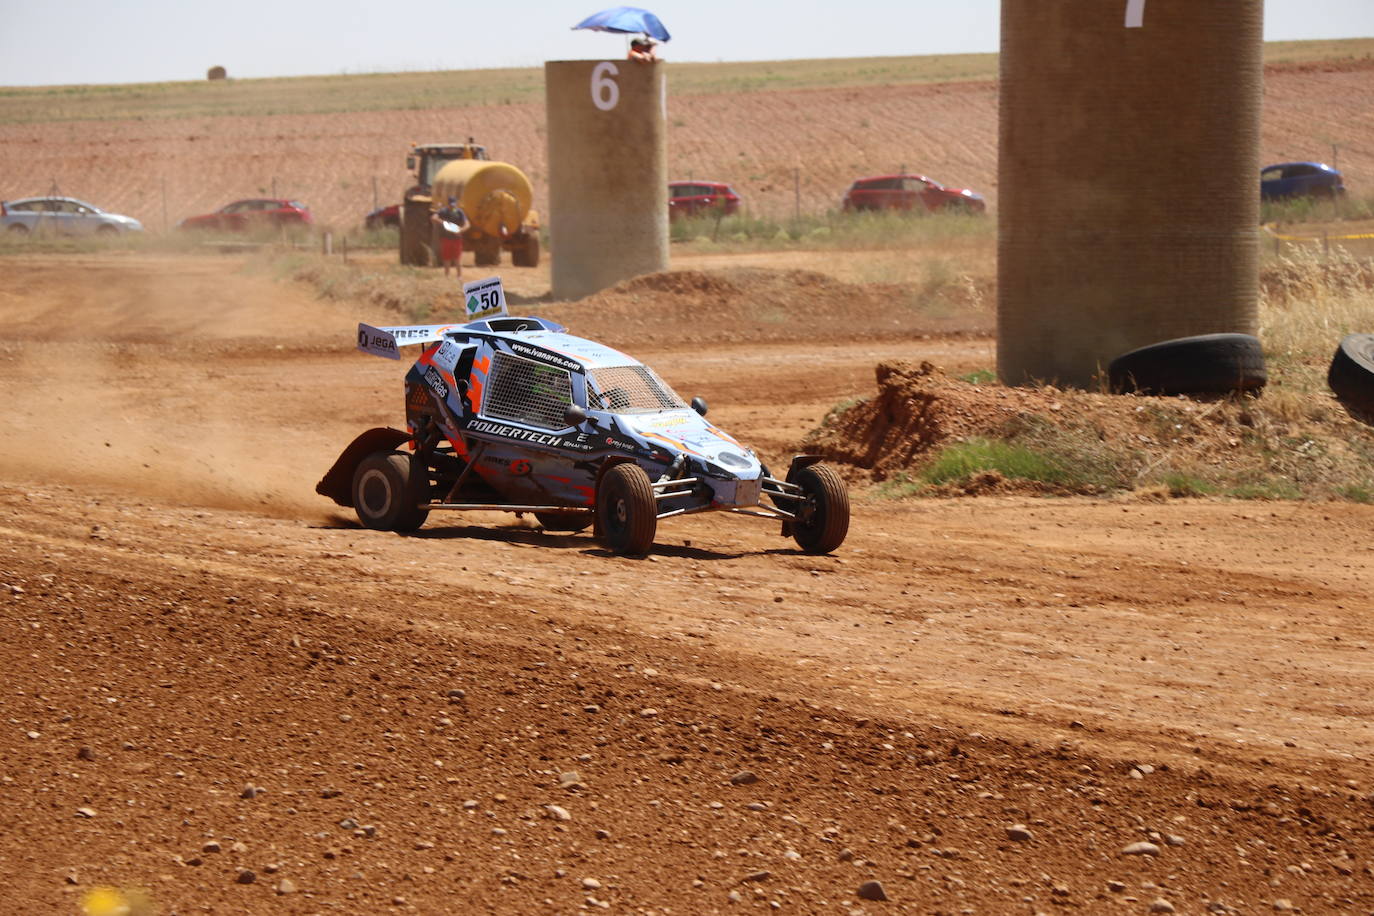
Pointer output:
x,y
632,388
524,391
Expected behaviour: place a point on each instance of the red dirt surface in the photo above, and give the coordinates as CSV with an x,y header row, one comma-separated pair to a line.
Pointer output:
x,y
757,141
223,695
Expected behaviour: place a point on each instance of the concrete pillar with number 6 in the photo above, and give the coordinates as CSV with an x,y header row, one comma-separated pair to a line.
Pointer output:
x,y
608,173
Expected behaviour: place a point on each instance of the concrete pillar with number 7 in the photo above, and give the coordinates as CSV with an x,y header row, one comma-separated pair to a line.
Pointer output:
x,y
608,172
1128,179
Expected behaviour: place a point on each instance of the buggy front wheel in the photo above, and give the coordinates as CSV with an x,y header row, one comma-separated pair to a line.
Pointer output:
x,y
823,514
627,512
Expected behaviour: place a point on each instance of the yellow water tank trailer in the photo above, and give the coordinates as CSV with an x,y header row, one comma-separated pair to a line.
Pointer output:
x,y
496,197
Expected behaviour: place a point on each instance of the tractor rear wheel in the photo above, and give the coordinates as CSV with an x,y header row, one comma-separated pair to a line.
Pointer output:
x,y
486,252
528,255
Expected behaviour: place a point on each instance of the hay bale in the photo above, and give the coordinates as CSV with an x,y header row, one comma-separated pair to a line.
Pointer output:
x,y
216,73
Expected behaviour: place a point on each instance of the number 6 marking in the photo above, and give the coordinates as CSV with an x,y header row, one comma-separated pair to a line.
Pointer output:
x,y
1135,14
605,93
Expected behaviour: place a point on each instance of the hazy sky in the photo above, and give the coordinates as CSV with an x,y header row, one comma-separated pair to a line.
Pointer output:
x,y
47,42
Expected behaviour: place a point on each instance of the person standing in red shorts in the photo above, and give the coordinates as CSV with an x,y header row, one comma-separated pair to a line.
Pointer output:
x,y
449,223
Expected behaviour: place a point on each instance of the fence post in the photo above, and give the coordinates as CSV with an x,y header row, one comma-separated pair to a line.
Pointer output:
x,y
328,241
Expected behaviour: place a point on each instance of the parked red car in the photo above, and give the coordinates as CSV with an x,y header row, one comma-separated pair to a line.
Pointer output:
x,y
910,192
694,198
383,216
248,215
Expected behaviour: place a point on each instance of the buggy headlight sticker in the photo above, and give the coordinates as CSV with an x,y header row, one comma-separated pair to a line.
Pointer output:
x,y
731,460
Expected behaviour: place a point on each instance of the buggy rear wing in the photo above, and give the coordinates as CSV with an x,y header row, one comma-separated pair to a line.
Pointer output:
x,y
388,341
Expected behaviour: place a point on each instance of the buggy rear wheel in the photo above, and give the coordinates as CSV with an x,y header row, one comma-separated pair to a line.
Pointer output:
x,y
387,492
627,512
823,515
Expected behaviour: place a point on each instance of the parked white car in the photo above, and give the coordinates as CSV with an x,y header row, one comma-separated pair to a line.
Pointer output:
x,y
62,216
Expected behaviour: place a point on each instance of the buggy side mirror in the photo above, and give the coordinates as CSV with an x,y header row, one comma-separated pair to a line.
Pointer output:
x,y
699,405
574,415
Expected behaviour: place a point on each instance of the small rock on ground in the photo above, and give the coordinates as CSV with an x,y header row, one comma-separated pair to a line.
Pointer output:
x,y
1141,849
872,890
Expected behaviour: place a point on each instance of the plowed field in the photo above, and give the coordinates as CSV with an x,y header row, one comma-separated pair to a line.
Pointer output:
x,y
223,696
765,143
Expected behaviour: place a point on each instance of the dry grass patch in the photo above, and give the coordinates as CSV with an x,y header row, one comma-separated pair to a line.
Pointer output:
x,y
924,432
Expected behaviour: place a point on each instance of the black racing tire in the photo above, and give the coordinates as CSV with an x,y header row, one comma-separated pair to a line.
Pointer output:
x,y
572,522
18,229
387,492
823,515
627,512
1205,364
1351,375
106,230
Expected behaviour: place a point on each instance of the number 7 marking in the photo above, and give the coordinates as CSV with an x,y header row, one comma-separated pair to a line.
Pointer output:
x,y
1135,14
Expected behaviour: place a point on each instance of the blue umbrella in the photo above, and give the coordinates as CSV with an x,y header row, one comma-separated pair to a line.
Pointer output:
x,y
626,20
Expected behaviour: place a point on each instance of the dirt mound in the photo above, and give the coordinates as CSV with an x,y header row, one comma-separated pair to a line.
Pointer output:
x,y
917,410
1087,442
681,283
768,305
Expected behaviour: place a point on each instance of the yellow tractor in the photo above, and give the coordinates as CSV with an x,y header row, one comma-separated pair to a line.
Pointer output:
x,y
496,197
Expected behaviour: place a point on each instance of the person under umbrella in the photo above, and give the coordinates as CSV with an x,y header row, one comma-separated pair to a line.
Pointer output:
x,y
642,50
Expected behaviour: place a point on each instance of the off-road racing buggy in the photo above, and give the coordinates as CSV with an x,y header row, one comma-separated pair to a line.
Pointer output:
x,y
515,414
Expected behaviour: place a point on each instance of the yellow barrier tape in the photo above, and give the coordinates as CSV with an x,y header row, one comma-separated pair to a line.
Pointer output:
x,y
1316,238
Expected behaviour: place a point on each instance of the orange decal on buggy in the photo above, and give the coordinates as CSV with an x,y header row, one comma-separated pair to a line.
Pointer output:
x,y
677,445
724,435
475,382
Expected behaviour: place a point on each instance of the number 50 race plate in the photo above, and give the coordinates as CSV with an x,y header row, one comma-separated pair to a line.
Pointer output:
x,y
485,298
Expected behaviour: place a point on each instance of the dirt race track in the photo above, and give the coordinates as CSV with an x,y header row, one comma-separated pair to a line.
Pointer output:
x,y
223,696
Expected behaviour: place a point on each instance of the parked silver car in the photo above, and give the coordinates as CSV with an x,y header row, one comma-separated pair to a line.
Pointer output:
x,y
62,216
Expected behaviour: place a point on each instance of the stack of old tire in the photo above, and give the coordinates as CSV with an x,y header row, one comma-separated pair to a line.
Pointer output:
x,y
1351,375
1220,364
1206,364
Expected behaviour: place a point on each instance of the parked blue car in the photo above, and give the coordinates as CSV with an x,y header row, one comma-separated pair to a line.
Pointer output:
x,y
1300,179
